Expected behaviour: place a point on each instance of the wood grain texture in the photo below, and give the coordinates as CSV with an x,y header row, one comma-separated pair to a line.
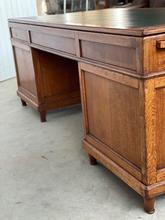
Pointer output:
x,y
136,22
25,71
57,80
103,121
51,83
117,170
122,81
53,41
112,96
116,157
109,54
160,127
150,124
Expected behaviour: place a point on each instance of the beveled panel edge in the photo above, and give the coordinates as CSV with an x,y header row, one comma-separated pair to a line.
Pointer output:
x,y
161,175
156,189
160,82
124,41
138,186
127,32
83,100
146,191
111,75
116,157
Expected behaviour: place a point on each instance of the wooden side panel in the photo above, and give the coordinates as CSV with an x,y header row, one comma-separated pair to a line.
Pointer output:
x,y
112,112
160,127
112,119
160,121
155,129
25,69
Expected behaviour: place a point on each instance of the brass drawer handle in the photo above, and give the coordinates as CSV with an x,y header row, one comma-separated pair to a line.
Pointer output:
x,y
160,44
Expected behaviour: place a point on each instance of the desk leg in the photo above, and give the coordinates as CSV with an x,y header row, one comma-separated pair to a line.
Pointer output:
x,y
43,116
23,102
149,205
92,160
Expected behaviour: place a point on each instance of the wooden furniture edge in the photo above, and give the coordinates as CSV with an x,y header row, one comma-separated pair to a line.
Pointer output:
x,y
148,192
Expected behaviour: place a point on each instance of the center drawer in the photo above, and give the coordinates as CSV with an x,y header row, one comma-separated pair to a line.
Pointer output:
x,y
61,40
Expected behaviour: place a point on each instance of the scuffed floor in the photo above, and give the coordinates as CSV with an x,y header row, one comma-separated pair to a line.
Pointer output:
x,y
45,174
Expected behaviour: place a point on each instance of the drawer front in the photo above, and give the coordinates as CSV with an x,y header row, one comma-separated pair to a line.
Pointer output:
x,y
154,54
61,40
19,33
118,51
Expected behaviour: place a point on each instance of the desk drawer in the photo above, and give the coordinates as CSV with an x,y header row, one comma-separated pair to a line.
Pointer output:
x,y
57,39
20,34
118,51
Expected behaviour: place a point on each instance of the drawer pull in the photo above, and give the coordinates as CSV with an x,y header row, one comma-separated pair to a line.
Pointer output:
x,y
160,44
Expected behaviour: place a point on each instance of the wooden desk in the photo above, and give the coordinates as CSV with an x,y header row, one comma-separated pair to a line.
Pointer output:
x,y
120,57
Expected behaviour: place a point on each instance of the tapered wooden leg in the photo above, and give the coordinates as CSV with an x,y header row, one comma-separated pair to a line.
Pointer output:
x,y
43,116
23,102
92,160
149,205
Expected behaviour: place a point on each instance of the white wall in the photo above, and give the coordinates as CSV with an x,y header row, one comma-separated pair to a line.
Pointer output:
x,y
9,9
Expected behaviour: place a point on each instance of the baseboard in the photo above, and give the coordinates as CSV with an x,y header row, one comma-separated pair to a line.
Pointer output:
x,y
7,78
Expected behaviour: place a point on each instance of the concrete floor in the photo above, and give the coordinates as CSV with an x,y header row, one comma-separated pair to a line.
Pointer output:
x,y
45,174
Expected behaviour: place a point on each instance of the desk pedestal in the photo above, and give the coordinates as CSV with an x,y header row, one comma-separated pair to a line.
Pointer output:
x,y
45,81
124,121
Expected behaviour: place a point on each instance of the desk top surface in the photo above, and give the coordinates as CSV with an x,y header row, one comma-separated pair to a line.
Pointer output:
x,y
136,22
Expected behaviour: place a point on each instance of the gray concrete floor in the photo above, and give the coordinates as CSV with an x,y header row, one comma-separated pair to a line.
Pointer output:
x,y
45,174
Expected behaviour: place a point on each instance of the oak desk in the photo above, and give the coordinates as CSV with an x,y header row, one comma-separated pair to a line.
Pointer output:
x,y
120,57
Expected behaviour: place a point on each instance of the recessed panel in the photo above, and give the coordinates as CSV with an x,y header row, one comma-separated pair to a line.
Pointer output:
x,y
121,56
160,127
54,42
114,116
26,75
